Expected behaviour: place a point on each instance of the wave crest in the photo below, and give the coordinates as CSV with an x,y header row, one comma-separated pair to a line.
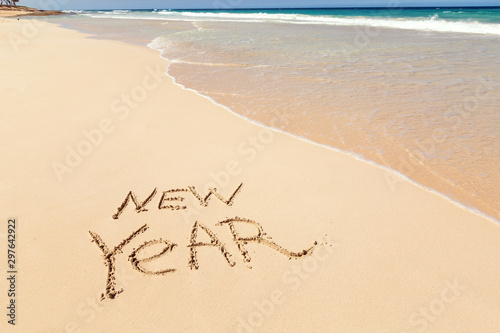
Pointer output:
x,y
432,23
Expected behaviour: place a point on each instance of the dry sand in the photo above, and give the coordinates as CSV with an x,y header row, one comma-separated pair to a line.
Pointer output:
x,y
390,255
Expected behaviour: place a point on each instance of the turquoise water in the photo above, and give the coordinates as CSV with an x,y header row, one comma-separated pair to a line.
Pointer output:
x,y
462,20
481,14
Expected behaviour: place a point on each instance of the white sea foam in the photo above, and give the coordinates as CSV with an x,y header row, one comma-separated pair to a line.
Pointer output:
x,y
71,11
433,23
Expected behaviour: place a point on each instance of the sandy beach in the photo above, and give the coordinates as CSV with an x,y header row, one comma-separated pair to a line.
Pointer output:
x,y
139,206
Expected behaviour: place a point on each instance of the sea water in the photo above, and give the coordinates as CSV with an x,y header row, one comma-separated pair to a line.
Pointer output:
x,y
416,90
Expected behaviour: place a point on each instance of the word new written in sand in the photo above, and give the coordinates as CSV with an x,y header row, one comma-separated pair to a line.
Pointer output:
x,y
165,247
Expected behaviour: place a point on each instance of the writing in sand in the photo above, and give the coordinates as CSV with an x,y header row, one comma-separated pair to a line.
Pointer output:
x,y
164,247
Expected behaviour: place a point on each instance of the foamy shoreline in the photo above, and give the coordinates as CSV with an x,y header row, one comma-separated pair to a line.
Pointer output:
x,y
338,150
385,258
434,23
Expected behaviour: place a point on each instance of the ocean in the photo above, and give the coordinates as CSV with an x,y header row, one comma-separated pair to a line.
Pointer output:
x,y
415,90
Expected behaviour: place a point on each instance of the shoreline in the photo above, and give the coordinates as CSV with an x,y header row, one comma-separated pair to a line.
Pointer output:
x,y
338,150
358,156
457,190
380,254
346,152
